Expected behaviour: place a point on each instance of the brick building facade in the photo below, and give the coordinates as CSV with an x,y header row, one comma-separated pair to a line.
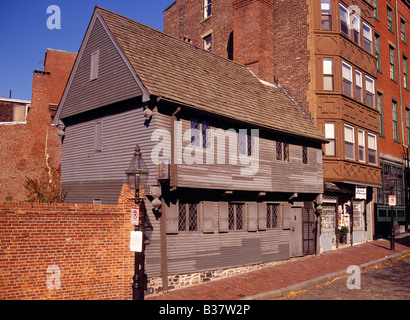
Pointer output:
x,y
393,102
31,148
323,53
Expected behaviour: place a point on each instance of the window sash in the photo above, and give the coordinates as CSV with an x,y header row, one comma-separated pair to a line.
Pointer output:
x,y
359,86
361,143
367,38
330,148
349,142
344,20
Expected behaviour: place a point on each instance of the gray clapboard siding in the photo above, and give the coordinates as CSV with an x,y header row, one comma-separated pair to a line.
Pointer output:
x,y
272,175
203,252
113,84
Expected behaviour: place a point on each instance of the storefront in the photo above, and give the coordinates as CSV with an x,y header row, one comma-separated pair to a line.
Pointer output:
x,y
383,210
346,216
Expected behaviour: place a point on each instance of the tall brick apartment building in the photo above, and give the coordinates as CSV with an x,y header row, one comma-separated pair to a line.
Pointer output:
x,y
323,53
29,146
392,20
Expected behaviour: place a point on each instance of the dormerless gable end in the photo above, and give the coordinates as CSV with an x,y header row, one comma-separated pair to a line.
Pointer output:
x,y
101,75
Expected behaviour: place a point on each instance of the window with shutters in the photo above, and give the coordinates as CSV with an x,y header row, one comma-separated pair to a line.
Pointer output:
x,y
236,216
187,217
272,215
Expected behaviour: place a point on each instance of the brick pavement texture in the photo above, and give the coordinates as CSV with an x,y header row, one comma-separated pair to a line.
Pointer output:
x,y
288,273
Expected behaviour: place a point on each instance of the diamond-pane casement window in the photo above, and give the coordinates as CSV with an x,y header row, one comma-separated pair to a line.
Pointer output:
x,y
235,216
188,217
272,212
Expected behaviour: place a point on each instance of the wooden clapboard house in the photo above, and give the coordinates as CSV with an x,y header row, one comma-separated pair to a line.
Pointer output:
x,y
234,197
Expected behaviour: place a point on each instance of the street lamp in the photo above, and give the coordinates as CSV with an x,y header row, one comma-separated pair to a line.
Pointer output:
x,y
391,181
137,177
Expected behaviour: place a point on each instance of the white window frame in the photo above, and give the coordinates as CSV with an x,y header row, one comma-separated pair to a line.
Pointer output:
x,y
359,84
344,18
330,148
349,142
208,42
356,29
372,150
207,8
370,90
328,73
349,79
368,35
362,145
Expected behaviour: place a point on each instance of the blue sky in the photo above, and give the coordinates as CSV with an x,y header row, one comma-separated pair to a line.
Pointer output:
x,y
25,36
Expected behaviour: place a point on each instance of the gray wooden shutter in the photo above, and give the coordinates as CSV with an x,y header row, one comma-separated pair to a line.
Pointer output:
x,y
223,216
98,136
262,215
208,216
95,57
286,216
252,216
171,216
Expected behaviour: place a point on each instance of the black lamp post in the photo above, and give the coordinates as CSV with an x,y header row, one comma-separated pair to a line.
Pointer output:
x,y
137,177
391,180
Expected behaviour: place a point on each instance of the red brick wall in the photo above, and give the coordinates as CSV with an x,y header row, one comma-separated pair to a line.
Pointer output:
x,y
186,19
30,150
290,51
384,84
253,36
88,244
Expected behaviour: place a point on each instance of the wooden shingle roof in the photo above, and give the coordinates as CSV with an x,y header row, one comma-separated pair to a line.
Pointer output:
x,y
178,71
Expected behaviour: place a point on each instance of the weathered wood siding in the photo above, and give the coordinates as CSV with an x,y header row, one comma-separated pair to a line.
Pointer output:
x,y
204,250
272,175
87,169
114,82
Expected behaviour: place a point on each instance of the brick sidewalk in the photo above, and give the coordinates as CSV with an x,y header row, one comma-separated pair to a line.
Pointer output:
x,y
288,273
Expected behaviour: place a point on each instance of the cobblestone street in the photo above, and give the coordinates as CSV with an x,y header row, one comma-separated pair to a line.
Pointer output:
x,y
385,281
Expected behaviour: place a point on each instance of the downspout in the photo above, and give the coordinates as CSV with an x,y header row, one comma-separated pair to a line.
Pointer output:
x,y
400,74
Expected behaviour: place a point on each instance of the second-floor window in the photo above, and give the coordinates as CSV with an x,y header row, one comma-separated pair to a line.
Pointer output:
x,y
372,147
282,151
330,148
328,74
349,142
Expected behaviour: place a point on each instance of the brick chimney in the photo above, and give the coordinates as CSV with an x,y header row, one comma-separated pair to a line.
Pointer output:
x,y
253,36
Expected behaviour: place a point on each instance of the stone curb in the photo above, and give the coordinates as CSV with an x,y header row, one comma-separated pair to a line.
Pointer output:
x,y
296,287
